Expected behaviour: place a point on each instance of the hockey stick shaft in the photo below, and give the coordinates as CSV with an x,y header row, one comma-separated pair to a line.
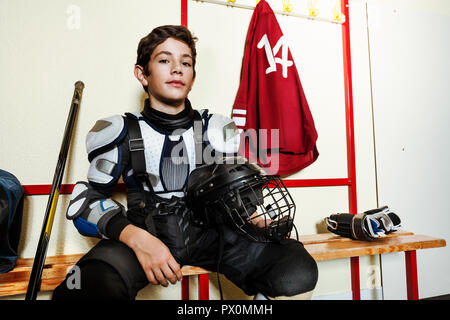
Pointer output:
x,y
41,252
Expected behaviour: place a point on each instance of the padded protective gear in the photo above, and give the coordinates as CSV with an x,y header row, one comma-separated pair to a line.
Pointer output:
x,y
159,146
385,219
104,153
369,225
105,168
106,133
223,134
90,211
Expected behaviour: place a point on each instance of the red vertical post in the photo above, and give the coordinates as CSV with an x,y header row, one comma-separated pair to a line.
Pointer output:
x,y
184,9
185,280
412,285
203,287
354,268
348,86
185,288
351,166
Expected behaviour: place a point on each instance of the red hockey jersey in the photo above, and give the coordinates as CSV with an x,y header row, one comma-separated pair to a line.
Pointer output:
x,y
270,105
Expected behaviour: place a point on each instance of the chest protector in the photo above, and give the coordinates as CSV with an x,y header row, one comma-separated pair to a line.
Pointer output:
x,y
164,169
162,162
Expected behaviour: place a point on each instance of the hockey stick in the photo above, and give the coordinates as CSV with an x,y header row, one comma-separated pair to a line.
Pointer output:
x,y
41,252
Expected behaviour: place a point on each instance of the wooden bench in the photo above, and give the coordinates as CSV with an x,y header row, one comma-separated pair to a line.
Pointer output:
x,y
326,246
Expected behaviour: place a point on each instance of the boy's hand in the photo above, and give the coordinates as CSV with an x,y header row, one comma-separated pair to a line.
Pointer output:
x,y
155,258
259,221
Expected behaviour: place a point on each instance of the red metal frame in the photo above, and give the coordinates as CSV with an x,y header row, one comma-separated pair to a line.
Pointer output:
x,y
185,288
295,183
184,13
412,286
203,287
351,163
410,256
44,189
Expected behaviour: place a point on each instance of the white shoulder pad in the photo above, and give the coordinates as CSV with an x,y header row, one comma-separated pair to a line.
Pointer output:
x,y
223,134
105,132
104,167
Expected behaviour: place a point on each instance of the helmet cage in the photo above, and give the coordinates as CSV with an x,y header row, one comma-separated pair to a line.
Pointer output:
x,y
260,207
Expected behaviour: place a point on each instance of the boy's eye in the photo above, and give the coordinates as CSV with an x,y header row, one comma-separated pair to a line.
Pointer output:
x,y
163,61
187,64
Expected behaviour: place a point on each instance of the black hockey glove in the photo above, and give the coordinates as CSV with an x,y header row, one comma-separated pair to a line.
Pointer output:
x,y
369,225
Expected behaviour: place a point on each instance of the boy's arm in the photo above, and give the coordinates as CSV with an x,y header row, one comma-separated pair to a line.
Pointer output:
x,y
95,214
155,258
91,208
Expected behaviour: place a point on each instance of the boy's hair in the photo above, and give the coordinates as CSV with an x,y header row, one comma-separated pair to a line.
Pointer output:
x,y
160,34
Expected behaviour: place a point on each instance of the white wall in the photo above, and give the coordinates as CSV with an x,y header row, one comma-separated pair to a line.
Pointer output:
x,y
410,71
42,55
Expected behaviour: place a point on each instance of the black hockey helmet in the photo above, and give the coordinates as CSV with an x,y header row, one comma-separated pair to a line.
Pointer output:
x,y
239,194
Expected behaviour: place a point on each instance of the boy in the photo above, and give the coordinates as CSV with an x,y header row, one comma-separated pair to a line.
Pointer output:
x,y
139,247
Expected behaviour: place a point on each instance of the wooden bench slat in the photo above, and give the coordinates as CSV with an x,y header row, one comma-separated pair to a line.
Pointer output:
x,y
326,246
55,271
20,287
345,249
191,271
51,260
331,237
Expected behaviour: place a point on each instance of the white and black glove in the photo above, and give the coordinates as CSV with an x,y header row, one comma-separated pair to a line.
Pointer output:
x,y
369,225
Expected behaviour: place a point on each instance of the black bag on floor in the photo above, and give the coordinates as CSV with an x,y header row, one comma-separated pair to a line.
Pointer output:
x,y
11,210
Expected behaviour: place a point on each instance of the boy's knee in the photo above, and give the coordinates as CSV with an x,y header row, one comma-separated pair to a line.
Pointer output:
x,y
294,273
300,275
98,281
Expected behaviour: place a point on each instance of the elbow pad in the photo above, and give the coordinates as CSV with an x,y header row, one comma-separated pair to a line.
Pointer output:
x,y
90,211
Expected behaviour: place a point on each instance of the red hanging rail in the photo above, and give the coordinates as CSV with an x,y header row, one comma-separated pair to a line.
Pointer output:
x,y
44,189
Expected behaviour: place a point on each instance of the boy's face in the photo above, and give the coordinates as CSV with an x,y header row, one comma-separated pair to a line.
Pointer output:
x,y
171,72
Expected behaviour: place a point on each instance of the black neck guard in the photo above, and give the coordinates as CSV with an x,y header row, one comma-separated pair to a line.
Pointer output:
x,y
170,122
